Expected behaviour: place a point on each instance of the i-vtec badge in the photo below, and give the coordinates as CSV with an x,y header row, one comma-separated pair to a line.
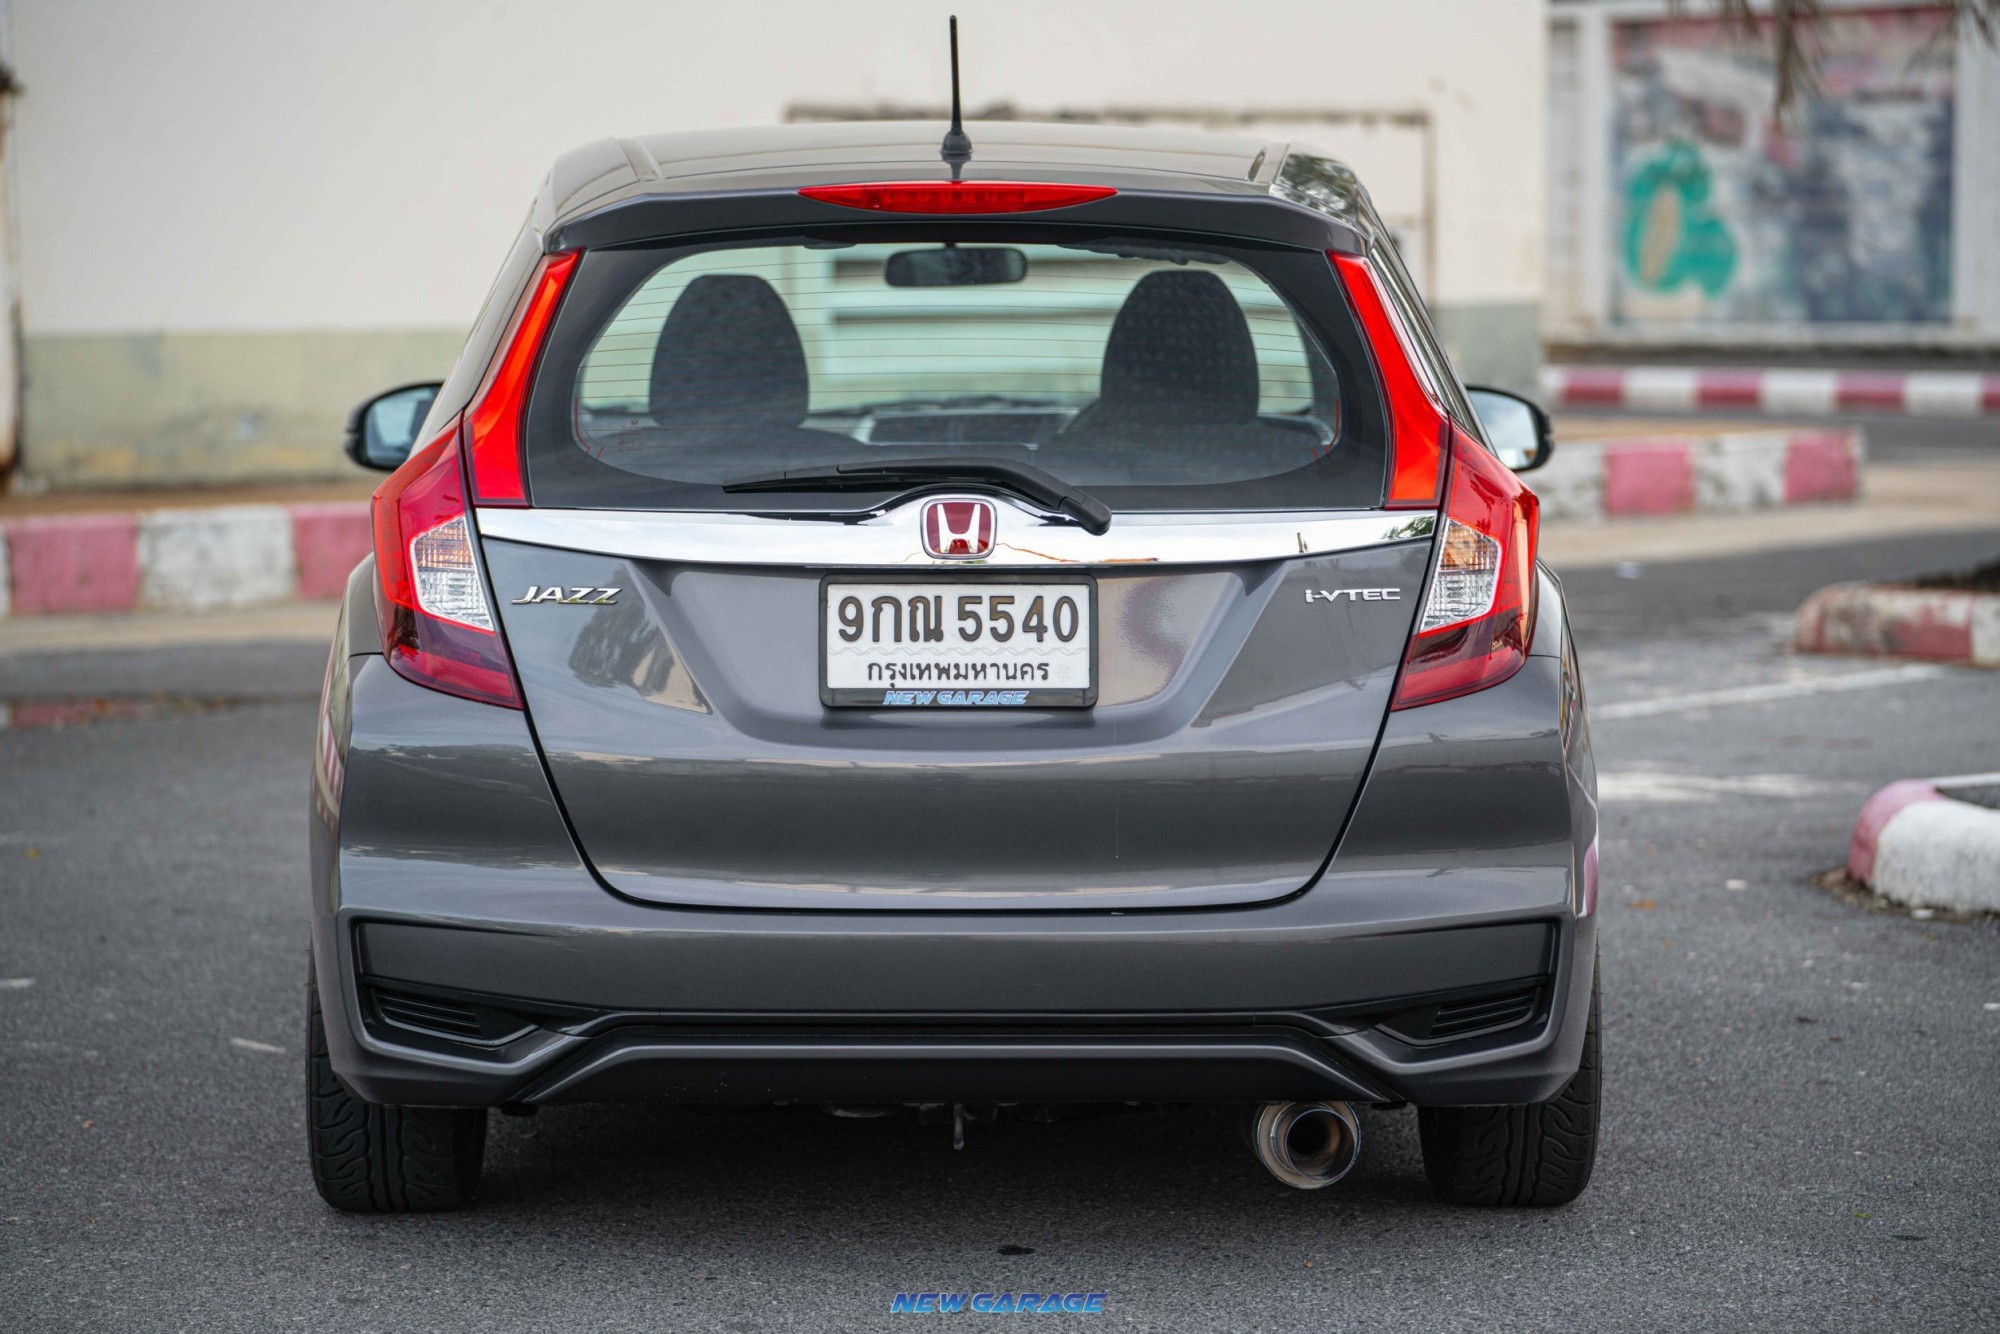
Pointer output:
x,y
569,597
1354,594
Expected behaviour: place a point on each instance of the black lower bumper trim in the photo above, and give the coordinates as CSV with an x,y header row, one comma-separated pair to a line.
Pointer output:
x,y
578,1054
645,1066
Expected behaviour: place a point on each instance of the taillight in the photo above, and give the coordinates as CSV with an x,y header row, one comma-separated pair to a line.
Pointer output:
x,y
438,628
1480,612
957,196
1418,425
493,421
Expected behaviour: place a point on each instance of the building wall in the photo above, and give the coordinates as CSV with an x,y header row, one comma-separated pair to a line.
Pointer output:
x,y
236,218
1685,213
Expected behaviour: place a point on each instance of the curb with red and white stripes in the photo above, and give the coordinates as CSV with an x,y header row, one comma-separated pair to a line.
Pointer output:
x,y
1778,392
1715,471
1919,842
203,559
1884,620
242,555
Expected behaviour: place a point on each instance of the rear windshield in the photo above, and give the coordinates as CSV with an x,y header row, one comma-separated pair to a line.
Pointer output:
x,y
1155,373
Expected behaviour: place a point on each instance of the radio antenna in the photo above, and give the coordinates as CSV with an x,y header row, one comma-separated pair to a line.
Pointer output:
x,y
957,147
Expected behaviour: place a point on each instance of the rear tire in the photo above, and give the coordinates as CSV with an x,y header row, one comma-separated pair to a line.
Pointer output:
x,y
1536,1154
369,1157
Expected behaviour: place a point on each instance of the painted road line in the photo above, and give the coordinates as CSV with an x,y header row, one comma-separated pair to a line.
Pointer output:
x,y
1761,694
1657,785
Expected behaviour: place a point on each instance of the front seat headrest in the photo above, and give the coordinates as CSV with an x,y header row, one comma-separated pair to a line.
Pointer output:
x,y
729,356
1180,352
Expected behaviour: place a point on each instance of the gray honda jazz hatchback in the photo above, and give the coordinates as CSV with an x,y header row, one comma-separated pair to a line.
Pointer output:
x,y
875,632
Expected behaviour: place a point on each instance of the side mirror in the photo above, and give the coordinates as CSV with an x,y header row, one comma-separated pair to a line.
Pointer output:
x,y
1517,429
382,431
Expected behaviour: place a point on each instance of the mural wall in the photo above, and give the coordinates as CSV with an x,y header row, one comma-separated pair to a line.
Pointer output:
x,y
1839,215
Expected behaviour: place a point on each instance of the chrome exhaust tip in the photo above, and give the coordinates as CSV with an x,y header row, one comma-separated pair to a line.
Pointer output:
x,y
1306,1145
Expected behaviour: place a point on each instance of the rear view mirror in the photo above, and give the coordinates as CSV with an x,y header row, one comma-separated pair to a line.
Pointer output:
x,y
382,431
1517,429
955,266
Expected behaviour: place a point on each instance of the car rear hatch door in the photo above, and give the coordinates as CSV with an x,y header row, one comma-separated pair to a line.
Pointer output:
x,y
684,723
758,683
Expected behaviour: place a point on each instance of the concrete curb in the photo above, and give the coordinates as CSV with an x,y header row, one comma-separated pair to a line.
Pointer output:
x,y
201,559
1779,392
1679,474
1935,624
221,556
1917,844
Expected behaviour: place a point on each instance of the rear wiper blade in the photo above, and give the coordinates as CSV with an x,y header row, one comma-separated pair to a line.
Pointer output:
x,y
1044,489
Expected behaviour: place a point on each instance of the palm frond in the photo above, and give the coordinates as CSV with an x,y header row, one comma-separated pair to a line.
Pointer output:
x,y
1791,27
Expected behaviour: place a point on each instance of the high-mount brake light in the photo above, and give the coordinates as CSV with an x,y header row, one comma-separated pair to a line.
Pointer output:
x,y
1418,426
494,420
957,196
438,628
1480,613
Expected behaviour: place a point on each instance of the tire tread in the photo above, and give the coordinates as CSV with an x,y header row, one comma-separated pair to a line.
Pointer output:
x,y
1532,1154
372,1158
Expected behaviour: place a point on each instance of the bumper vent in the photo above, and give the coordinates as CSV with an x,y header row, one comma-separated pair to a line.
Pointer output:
x,y
1464,1018
451,1019
1427,1025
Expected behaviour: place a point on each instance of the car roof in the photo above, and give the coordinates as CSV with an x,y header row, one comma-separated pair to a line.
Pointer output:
x,y
787,157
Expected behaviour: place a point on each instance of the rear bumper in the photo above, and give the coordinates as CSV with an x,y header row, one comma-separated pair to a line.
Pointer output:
x,y
916,1033
444,869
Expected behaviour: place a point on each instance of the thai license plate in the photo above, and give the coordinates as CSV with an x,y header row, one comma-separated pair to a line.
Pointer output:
x,y
959,644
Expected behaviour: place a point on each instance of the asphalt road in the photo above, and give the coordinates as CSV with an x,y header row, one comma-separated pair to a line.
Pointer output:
x,y
1800,1123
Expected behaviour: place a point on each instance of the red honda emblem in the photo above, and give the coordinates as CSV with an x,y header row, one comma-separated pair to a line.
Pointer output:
x,y
958,529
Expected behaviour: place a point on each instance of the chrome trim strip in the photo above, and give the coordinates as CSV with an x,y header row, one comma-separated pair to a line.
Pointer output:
x,y
891,538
